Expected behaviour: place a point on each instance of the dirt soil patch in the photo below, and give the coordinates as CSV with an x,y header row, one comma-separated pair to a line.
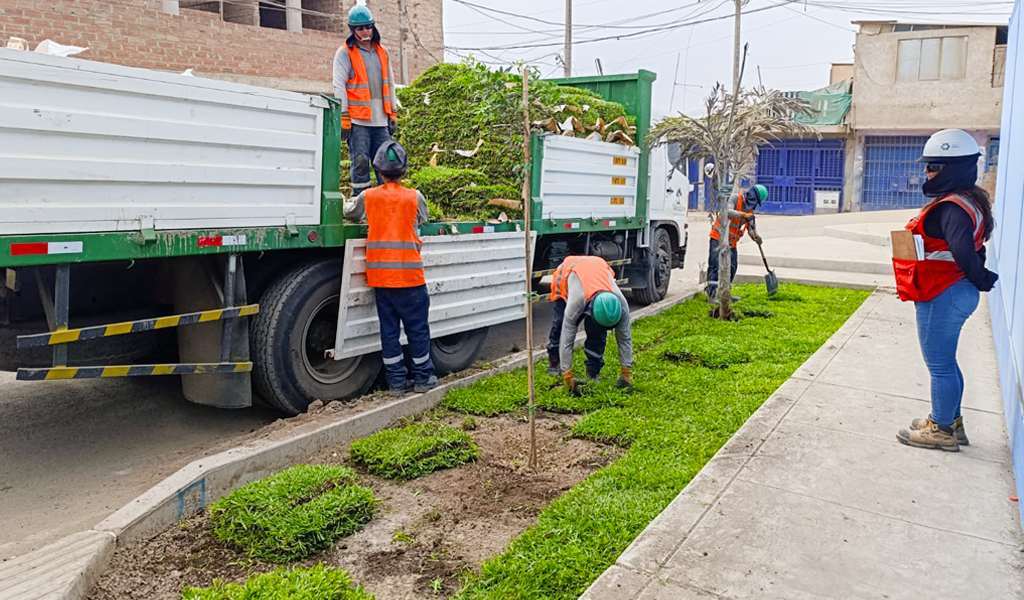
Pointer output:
x,y
427,532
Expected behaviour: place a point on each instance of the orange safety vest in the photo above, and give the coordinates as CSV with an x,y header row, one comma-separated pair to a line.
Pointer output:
x,y
923,280
392,247
357,88
737,226
593,272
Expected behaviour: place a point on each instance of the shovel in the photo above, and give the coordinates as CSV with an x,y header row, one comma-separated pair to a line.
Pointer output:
x,y
771,282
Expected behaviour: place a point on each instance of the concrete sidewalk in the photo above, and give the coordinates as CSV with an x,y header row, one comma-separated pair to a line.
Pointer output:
x,y
815,498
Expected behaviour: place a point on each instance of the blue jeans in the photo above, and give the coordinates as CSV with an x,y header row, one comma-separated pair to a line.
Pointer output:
x,y
938,329
713,267
408,307
593,346
362,147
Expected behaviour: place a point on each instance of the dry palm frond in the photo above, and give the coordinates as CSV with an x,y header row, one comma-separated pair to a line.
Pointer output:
x,y
731,138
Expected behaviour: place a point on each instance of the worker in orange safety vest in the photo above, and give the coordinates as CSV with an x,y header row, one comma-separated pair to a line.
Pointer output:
x,y
364,85
741,221
394,269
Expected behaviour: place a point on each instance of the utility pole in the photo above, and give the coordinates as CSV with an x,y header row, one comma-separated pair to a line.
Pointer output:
x,y
568,39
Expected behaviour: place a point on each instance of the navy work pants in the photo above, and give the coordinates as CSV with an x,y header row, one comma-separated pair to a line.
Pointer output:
x,y
593,347
713,267
408,308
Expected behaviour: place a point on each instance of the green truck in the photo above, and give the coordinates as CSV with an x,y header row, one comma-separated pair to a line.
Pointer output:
x,y
162,224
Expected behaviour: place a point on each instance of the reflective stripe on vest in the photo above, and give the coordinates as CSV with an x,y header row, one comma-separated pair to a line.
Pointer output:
x,y
737,226
592,271
923,280
357,88
392,247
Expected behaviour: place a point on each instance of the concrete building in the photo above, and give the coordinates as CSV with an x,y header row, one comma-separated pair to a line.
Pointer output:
x,y
284,44
909,81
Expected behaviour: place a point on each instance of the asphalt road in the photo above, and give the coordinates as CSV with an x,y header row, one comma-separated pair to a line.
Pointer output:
x,y
73,452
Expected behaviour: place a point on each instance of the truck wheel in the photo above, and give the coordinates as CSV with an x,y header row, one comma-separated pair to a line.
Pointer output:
x,y
456,352
660,270
297,322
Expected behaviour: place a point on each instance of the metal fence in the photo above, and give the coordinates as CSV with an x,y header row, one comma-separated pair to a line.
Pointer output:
x,y
892,173
797,171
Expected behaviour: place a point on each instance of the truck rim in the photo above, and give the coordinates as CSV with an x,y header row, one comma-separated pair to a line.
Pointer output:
x,y
318,336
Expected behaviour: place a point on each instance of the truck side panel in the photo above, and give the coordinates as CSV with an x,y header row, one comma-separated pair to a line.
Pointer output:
x,y
587,179
94,147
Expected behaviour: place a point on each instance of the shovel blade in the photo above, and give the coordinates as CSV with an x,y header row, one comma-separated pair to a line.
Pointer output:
x,y
771,282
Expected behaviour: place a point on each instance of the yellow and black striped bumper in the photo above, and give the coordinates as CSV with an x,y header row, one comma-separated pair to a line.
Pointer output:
x,y
55,373
100,331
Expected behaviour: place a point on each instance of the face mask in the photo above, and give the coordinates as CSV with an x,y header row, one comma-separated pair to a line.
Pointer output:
x,y
956,176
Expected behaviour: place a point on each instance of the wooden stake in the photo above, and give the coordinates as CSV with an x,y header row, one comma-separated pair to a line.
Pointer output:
x,y
531,409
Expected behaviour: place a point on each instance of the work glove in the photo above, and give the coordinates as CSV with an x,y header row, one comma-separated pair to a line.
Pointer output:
x,y
572,386
346,126
757,238
625,381
392,127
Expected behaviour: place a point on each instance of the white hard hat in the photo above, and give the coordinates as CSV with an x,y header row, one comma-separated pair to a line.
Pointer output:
x,y
950,144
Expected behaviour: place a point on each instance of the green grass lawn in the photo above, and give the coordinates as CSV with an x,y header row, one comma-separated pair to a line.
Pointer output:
x,y
313,583
675,420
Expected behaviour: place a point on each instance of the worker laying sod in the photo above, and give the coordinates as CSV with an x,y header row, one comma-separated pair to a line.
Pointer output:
x,y
293,514
414,450
314,583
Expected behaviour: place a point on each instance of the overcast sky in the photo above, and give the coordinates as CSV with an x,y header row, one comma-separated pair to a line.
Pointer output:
x,y
793,44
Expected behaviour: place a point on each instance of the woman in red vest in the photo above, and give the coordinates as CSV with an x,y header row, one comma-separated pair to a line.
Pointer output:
x,y
945,279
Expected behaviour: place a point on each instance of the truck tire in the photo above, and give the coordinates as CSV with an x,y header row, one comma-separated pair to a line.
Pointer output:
x,y
456,352
296,323
660,270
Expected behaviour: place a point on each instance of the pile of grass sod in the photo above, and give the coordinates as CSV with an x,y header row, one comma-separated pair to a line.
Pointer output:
x,y
313,583
293,514
414,450
678,416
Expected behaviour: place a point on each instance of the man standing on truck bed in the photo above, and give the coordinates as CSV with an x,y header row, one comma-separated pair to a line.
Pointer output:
x,y
394,269
583,288
741,220
364,83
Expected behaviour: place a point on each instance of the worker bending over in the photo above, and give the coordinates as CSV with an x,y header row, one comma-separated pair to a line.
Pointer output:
x,y
583,288
364,84
741,220
394,269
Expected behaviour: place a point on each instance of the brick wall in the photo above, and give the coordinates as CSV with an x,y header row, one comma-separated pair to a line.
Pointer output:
x,y
137,33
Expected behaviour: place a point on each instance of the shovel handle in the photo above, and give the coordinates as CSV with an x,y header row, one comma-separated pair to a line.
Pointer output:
x,y
763,259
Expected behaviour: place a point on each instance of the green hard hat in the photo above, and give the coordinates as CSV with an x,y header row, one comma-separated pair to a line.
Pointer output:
x,y
606,309
762,193
360,15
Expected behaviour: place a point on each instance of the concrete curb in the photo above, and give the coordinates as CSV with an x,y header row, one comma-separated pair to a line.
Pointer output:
x,y
820,264
196,485
638,564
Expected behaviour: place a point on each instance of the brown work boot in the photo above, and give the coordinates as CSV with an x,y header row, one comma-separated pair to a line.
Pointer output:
x,y
958,428
930,437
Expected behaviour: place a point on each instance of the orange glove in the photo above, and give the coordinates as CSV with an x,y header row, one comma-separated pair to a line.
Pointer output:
x,y
625,378
571,385
346,126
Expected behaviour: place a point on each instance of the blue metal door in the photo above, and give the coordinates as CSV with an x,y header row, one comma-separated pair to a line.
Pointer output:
x,y
892,173
694,175
793,170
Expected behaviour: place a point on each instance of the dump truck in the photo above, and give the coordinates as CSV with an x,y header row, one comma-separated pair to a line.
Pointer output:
x,y
154,223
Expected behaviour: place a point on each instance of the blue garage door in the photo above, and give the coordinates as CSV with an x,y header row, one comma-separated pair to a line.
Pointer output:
x,y
794,169
892,175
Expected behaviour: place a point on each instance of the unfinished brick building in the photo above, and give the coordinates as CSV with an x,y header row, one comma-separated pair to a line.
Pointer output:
x,y
285,44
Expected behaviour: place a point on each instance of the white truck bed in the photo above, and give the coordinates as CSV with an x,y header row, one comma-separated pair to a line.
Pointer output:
x,y
95,147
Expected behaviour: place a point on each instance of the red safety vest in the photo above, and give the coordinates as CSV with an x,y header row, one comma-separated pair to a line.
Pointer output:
x,y
357,88
737,226
593,272
392,247
923,280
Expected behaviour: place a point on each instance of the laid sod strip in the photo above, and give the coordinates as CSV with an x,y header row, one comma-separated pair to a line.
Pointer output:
x,y
292,514
679,415
706,351
414,450
313,583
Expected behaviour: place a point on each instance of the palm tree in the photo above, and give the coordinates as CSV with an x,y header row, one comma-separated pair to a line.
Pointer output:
x,y
728,136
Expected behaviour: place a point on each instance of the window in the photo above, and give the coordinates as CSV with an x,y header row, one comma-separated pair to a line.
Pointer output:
x,y
931,59
992,156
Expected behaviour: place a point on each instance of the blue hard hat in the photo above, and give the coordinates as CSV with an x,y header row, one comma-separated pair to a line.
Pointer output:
x,y
359,15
